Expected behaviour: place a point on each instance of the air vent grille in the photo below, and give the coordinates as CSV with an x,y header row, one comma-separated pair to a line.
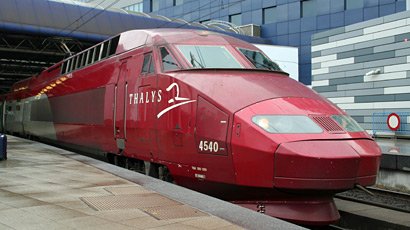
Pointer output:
x,y
328,124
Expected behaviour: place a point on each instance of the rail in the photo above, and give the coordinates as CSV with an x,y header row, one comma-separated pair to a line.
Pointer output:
x,y
382,198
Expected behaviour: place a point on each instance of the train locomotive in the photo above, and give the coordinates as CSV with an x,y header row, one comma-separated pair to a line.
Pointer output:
x,y
207,111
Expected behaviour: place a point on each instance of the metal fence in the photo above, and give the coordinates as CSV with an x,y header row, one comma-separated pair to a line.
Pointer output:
x,y
379,124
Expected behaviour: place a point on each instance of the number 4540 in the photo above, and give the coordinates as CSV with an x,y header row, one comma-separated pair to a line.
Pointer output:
x,y
211,146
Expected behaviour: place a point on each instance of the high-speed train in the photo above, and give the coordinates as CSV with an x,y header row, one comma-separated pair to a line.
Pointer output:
x,y
204,110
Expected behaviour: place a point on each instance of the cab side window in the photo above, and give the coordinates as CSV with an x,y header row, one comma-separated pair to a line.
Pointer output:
x,y
148,64
168,62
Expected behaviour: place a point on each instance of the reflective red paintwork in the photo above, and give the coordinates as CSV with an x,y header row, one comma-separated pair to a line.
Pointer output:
x,y
198,124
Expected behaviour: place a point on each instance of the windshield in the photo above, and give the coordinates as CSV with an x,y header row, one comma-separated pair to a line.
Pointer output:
x,y
208,56
259,60
168,62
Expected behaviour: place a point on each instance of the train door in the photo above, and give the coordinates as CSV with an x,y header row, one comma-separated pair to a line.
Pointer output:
x,y
120,133
142,98
148,96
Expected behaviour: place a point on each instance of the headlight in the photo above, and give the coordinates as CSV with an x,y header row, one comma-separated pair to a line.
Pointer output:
x,y
347,123
286,124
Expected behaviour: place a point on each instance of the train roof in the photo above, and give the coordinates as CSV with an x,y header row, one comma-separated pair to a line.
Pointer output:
x,y
133,39
137,38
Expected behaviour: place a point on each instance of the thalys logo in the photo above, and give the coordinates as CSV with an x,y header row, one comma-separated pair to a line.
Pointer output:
x,y
176,101
156,95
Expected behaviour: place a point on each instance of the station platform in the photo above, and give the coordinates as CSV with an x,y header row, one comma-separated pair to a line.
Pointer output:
x,y
44,187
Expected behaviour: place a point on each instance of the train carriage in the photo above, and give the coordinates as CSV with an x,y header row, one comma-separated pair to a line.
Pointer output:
x,y
205,110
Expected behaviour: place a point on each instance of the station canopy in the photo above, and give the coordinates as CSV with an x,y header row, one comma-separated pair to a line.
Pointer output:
x,y
36,34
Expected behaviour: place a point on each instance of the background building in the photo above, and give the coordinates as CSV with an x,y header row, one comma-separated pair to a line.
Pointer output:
x,y
284,22
365,69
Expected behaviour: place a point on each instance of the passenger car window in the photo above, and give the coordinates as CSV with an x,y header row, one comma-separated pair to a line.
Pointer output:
x,y
148,64
259,60
168,62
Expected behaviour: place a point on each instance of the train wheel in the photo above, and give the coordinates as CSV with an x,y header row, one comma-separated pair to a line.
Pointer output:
x,y
151,169
165,175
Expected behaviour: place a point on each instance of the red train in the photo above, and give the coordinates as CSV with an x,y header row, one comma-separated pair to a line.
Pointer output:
x,y
205,110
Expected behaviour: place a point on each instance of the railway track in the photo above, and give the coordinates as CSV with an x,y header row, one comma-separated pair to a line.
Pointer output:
x,y
384,198
335,227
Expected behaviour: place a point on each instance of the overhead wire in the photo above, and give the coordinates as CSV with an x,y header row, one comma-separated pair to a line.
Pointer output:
x,y
83,15
200,8
228,5
91,18
221,6
159,26
88,20
72,23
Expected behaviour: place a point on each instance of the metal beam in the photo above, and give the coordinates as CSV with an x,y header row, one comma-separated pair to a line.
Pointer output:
x,y
19,67
60,45
23,55
24,62
28,51
16,74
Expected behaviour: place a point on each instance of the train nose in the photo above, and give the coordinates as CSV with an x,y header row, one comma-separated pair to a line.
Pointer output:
x,y
326,164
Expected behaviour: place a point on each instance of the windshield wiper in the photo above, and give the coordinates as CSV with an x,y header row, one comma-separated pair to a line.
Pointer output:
x,y
264,65
170,62
193,60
